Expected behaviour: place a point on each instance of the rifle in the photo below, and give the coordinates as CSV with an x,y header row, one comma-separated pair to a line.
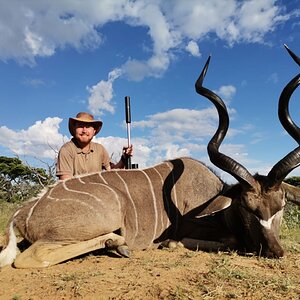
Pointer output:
x,y
128,164
128,121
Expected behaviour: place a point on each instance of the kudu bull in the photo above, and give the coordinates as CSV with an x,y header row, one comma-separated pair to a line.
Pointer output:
x,y
179,199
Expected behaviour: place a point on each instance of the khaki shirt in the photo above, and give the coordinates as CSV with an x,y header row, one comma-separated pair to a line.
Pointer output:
x,y
72,161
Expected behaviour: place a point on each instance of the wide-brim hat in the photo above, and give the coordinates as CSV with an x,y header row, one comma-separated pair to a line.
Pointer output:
x,y
86,118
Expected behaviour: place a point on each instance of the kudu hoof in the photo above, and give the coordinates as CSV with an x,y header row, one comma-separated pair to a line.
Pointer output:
x,y
124,251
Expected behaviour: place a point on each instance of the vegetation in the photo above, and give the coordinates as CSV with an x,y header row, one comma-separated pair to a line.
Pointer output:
x,y
19,182
292,212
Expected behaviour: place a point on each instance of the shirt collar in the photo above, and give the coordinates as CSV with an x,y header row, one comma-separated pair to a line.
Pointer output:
x,y
79,150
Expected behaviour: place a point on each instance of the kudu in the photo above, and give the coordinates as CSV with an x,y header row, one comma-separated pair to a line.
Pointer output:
x,y
179,199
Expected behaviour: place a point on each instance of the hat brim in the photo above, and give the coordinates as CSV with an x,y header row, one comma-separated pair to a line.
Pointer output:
x,y
96,124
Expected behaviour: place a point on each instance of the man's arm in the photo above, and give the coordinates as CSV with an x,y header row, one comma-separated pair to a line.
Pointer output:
x,y
127,151
63,177
64,164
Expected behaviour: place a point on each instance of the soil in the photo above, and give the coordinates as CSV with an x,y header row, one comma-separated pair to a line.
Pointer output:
x,y
158,274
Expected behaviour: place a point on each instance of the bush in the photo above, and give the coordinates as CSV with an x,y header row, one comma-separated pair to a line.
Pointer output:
x,y
19,182
292,211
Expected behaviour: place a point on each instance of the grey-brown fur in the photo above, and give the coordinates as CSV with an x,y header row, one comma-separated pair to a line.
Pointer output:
x,y
141,204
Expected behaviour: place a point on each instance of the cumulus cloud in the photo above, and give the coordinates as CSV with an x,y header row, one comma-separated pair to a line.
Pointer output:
x,y
142,149
38,28
226,92
167,135
31,29
39,140
101,94
180,124
192,48
180,132
177,123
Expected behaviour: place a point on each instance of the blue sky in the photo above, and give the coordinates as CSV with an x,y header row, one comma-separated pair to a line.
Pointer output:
x,y
61,57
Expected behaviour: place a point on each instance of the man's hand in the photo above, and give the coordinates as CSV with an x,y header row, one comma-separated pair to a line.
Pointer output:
x,y
128,151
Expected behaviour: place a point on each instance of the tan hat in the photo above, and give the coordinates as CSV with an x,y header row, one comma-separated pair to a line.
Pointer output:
x,y
86,118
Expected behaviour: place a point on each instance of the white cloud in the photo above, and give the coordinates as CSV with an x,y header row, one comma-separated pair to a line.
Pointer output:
x,y
101,94
40,140
182,124
33,29
136,70
166,135
30,29
171,134
36,45
179,132
192,47
226,92
142,149
256,18
38,28
177,123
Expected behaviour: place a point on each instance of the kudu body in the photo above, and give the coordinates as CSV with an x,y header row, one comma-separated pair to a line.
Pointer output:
x,y
179,199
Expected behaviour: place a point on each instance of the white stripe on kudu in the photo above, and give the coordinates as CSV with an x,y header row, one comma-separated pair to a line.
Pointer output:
x,y
133,205
80,192
100,175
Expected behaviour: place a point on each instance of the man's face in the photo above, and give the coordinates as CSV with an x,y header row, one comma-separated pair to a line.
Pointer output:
x,y
84,132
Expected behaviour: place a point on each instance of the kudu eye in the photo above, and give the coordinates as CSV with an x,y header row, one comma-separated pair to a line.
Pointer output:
x,y
248,205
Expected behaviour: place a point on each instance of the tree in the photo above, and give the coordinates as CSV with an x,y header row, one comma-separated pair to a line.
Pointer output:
x,y
19,182
294,180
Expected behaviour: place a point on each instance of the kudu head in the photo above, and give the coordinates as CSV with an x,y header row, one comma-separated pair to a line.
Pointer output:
x,y
258,201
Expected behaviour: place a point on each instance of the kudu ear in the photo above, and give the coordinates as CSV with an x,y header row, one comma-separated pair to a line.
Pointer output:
x,y
218,204
292,193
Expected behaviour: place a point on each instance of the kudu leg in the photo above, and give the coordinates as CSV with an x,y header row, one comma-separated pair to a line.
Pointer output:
x,y
43,254
194,244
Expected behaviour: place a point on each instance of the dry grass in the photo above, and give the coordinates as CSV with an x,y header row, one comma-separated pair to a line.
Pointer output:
x,y
158,274
162,274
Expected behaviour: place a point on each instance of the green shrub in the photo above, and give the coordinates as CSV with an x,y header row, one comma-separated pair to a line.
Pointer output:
x,y
292,216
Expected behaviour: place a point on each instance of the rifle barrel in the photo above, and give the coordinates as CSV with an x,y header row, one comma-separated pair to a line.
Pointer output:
x,y
128,121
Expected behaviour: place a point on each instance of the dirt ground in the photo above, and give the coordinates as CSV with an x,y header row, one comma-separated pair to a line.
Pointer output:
x,y
158,274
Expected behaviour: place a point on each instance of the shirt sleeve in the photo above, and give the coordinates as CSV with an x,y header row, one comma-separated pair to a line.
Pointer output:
x,y
105,159
64,164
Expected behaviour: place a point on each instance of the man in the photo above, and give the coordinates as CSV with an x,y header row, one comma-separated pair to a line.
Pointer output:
x,y
81,155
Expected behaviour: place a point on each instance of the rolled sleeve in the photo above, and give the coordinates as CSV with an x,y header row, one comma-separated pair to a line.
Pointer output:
x,y
64,164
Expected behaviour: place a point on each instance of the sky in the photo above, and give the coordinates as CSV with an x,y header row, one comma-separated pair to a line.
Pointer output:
x,y
60,57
